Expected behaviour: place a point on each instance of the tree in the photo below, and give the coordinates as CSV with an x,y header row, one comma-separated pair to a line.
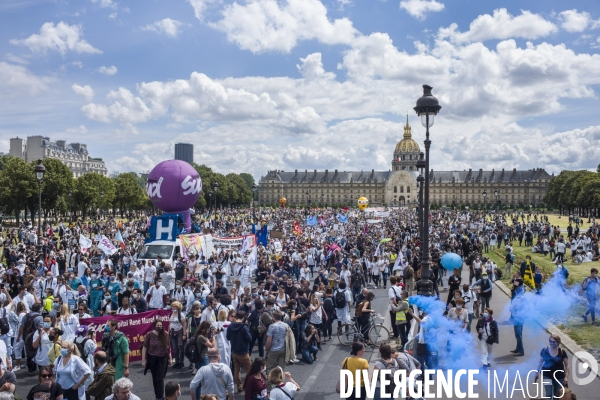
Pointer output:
x,y
249,179
18,184
129,195
4,159
58,180
88,189
243,193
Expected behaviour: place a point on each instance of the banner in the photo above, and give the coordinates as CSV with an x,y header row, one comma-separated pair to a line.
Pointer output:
x,y
106,246
232,242
196,244
134,327
164,227
85,243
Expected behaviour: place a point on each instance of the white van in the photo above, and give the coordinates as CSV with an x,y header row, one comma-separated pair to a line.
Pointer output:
x,y
165,249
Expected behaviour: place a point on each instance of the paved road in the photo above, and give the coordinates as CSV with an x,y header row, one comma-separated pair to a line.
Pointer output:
x,y
318,380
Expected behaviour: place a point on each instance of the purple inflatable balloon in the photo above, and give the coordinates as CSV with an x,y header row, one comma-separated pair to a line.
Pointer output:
x,y
174,186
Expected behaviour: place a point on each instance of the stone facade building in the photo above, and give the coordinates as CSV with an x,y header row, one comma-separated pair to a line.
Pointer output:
x,y
398,186
74,155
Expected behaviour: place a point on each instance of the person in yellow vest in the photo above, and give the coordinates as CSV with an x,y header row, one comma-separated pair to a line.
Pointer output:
x,y
48,301
527,271
401,309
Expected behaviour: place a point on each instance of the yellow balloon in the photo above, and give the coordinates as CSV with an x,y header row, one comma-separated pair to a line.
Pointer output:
x,y
363,203
282,201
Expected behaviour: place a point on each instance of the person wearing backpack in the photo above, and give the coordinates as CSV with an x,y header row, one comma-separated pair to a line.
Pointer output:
x,y
342,299
387,366
485,293
409,279
329,307
30,323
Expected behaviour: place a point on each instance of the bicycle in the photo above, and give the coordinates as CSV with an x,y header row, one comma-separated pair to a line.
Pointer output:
x,y
352,333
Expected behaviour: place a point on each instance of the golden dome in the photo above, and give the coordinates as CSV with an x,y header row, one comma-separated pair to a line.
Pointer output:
x,y
407,144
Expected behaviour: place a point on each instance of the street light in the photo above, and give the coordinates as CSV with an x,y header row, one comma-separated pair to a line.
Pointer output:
x,y
209,200
101,201
420,180
497,194
427,108
484,194
254,190
215,189
70,205
39,170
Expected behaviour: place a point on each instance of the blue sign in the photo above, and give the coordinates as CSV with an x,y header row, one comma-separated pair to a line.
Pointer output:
x,y
164,227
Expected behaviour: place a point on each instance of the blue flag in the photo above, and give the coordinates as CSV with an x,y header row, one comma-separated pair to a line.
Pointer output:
x,y
263,235
342,218
311,221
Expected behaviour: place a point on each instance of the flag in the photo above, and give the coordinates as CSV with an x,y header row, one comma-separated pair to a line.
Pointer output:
x,y
342,218
377,251
311,221
252,259
297,229
85,243
263,235
322,221
246,244
119,239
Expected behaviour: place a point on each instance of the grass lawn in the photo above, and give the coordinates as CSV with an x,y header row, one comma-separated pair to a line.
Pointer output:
x,y
584,334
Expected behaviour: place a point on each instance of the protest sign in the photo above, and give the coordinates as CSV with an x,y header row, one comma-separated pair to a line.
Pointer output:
x,y
106,246
135,327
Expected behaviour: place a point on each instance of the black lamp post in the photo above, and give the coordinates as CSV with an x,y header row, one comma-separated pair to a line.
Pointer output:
x,y
322,196
427,108
420,181
307,193
39,170
101,201
210,200
484,194
254,190
215,189
497,194
70,205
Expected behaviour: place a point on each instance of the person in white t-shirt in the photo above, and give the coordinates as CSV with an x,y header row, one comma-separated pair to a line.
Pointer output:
x,y
156,296
149,276
282,390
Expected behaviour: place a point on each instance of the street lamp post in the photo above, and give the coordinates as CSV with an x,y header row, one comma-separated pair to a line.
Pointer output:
x,y
215,189
70,205
484,194
497,194
101,201
322,195
39,174
420,181
210,200
254,190
427,108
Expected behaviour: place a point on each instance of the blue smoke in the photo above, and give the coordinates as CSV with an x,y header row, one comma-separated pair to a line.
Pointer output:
x,y
461,350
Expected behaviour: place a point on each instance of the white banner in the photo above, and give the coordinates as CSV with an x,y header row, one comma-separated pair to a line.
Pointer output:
x,y
85,242
106,246
233,242
374,221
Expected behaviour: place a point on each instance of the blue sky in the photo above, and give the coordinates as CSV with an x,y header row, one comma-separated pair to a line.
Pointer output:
x,y
304,84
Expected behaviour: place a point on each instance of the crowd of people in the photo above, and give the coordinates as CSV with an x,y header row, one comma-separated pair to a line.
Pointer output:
x,y
237,322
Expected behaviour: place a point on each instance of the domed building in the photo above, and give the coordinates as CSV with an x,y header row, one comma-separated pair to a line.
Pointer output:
x,y
398,186
407,152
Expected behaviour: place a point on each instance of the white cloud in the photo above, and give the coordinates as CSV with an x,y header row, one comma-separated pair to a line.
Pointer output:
x,y
574,21
312,68
16,59
16,80
78,130
200,7
420,8
85,91
167,26
61,37
501,25
271,25
105,3
108,70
